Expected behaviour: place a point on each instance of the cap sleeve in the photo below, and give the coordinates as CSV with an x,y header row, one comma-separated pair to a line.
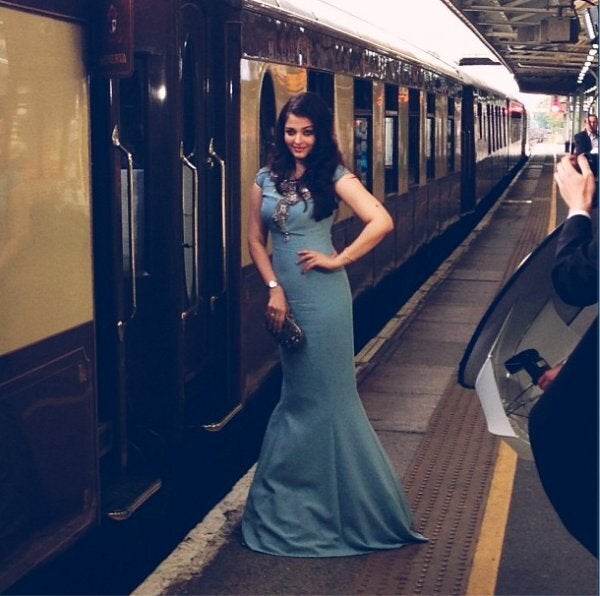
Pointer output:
x,y
339,172
260,176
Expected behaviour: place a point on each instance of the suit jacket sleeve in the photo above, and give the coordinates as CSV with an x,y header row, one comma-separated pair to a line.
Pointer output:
x,y
575,271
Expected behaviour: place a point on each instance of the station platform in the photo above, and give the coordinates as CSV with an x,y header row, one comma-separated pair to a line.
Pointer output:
x,y
490,526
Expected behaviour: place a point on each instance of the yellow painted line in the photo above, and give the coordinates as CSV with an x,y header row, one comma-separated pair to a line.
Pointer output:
x,y
484,572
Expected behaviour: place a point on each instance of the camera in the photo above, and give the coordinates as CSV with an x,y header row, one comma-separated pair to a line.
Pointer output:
x,y
592,159
530,361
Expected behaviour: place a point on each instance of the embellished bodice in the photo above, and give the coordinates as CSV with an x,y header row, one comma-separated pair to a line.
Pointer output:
x,y
293,192
290,215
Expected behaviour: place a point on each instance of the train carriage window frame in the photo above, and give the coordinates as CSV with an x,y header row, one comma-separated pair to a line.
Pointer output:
x,y
391,139
321,83
414,137
451,136
363,132
430,137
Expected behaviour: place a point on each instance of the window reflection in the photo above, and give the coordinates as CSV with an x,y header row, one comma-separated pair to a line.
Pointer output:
x,y
132,132
363,114
45,262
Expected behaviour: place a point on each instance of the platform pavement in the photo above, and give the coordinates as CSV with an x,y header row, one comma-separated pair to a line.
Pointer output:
x,y
405,373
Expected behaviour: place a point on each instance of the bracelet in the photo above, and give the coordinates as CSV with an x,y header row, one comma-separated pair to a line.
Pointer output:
x,y
345,254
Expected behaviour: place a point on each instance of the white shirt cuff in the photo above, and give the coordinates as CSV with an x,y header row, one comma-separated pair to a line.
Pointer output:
x,y
573,212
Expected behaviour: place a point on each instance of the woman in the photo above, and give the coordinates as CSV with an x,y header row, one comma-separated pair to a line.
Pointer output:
x,y
323,484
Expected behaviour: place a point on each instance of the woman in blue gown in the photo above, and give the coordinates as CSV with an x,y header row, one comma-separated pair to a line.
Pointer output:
x,y
323,484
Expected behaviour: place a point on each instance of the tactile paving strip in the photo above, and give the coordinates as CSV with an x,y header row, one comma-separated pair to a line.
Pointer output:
x,y
446,485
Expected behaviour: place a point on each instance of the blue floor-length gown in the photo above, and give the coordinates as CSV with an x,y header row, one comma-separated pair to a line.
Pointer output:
x,y
323,485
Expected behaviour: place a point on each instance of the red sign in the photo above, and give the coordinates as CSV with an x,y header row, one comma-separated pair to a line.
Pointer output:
x,y
115,38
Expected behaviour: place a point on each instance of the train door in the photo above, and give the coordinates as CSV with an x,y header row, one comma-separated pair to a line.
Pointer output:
x,y
132,292
205,321
167,251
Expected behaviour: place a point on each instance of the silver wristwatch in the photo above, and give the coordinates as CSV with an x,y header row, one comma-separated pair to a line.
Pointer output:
x,y
272,284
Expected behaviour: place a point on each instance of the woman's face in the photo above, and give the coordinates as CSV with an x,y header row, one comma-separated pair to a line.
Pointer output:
x,y
299,136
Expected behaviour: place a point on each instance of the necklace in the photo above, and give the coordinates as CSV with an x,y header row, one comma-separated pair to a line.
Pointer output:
x,y
292,192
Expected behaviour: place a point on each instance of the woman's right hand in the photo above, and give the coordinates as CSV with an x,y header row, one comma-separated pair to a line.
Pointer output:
x,y
277,308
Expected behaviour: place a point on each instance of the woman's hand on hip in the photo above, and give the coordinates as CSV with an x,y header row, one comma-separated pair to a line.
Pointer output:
x,y
313,259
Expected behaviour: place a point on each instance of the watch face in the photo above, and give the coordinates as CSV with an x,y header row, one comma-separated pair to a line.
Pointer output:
x,y
272,284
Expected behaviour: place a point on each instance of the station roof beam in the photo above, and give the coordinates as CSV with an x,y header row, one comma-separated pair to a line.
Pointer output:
x,y
544,43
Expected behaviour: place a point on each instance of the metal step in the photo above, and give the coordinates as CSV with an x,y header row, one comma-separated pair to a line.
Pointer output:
x,y
122,499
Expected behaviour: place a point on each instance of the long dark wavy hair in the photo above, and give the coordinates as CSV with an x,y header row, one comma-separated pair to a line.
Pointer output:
x,y
320,163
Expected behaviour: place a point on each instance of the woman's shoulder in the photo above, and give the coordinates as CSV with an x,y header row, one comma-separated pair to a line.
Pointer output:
x,y
262,175
339,172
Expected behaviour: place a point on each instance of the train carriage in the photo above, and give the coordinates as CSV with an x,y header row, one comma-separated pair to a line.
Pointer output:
x,y
132,317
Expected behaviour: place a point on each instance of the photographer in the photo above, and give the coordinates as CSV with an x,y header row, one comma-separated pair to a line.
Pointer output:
x,y
563,424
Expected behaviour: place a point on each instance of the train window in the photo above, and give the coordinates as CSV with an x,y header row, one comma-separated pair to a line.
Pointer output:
x,y
189,175
391,139
414,141
479,117
322,84
489,127
430,137
494,128
45,286
268,119
451,136
132,135
498,128
363,114
363,95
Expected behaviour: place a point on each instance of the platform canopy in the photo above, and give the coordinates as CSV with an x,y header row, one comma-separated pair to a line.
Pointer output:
x,y
544,43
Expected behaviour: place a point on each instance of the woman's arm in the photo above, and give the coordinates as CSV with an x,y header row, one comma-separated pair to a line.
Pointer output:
x,y
257,244
369,210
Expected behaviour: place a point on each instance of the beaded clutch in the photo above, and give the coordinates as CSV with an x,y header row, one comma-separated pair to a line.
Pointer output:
x,y
291,335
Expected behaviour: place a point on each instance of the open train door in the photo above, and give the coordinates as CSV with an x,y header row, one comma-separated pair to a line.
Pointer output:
x,y
527,327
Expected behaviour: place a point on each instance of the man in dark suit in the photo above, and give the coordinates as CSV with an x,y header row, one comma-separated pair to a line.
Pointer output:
x,y
563,424
586,141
